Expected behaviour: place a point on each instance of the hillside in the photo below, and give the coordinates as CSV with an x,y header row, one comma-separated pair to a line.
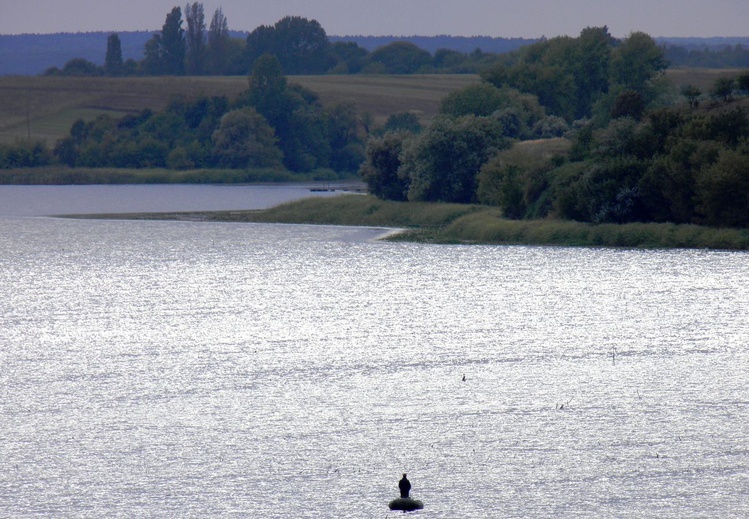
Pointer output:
x,y
46,107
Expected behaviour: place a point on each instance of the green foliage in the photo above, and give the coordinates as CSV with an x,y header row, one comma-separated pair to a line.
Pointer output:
x,y
195,39
571,76
544,69
381,169
730,126
636,62
549,127
76,67
219,44
346,148
443,161
742,81
272,121
400,57
483,227
152,63
348,57
461,223
359,210
723,88
723,190
24,154
517,112
713,56
674,166
308,137
516,179
622,137
499,184
113,64
481,99
628,104
692,93
301,45
404,121
165,52
449,61
173,46
244,139
668,186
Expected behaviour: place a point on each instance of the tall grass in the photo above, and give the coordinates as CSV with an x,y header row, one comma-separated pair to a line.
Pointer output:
x,y
485,227
365,210
474,224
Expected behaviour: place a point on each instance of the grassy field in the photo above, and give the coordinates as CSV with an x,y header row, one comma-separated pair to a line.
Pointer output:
x,y
46,107
702,78
469,224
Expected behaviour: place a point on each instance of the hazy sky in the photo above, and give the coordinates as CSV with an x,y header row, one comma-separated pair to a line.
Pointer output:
x,y
506,18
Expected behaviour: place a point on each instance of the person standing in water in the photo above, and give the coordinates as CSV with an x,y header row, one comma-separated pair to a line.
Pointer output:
x,y
405,486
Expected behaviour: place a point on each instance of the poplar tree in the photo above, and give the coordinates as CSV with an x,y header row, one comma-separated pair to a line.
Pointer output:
x,y
195,39
173,44
218,43
113,60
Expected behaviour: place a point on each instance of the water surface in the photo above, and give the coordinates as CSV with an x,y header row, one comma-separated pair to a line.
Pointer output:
x,y
180,369
98,199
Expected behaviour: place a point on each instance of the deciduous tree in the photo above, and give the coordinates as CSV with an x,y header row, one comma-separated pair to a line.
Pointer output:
x,y
723,88
442,162
173,44
195,39
218,43
301,45
401,57
381,169
636,62
244,139
723,190
113,60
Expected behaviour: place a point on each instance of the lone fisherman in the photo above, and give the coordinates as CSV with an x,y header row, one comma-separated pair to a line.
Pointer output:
x,y
405,486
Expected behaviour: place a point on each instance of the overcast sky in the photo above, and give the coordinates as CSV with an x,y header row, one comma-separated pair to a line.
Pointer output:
x,y
505,18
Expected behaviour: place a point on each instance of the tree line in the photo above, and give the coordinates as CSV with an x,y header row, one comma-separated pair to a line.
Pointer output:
x,y
727,56
626,146
186,45
629,153
274,124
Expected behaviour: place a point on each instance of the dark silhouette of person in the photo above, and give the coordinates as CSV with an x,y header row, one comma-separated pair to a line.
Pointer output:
x,y
405,486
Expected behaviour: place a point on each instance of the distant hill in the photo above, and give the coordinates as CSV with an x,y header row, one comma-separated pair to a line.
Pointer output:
x,y
465,44
32,54
713,44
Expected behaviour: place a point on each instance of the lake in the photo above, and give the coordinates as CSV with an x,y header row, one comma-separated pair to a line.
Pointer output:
x,y
187,369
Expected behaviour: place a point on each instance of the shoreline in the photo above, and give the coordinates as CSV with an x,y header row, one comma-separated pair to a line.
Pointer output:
x,y
460,224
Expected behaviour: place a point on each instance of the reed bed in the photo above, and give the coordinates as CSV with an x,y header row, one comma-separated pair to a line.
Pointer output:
x,y
475,224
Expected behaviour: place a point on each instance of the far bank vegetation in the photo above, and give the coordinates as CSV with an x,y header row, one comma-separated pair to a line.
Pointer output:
x,y
585,129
